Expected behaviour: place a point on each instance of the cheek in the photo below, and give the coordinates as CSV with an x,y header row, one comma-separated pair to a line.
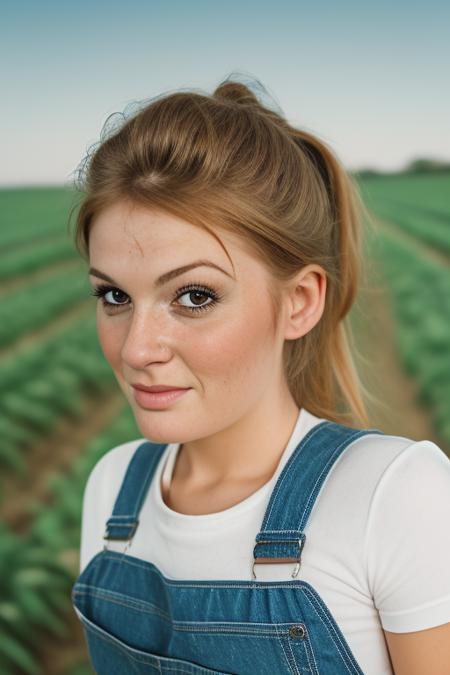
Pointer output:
x,y
235,353
110,338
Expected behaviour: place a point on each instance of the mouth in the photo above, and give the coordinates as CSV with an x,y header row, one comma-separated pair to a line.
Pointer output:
x,y
158,400
157,388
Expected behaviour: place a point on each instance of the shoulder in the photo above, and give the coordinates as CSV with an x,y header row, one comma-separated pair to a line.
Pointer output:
x,y
387,479
413,485
382,455
393,494
388,467
100,492
362,463
403,465
108,472
407,557
373,451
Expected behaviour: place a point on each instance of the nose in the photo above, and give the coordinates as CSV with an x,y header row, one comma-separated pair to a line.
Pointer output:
x,y
145,342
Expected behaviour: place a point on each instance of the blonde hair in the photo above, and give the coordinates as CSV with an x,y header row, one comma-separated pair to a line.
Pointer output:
x,y
228,161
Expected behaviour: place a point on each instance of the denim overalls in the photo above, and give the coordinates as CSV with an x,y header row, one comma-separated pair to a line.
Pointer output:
x,y
137,621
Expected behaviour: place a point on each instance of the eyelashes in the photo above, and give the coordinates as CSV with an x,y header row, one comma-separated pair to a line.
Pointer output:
x,y
101,290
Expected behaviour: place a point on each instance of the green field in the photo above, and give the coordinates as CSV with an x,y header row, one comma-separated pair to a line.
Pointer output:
x,y
62,408
412,246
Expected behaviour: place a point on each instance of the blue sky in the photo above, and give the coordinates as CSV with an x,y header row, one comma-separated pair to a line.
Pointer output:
x,y
367,78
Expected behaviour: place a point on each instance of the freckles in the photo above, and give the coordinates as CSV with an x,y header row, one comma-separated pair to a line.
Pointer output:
x,y
231,348
110,341
248,350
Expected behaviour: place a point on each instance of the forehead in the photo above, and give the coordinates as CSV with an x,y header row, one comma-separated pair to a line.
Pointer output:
x,y
134,225
134,232
134,228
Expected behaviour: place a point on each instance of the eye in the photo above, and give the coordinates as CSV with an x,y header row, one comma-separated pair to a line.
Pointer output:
x,y
102,290
194,291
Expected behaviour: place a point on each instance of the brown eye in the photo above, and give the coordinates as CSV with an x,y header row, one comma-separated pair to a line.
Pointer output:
x,y
197,295
101,292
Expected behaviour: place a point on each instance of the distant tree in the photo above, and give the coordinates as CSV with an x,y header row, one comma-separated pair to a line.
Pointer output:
x,y
423,165
418,165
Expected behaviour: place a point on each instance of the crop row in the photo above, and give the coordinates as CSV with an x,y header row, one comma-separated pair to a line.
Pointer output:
x,y
430,227
45,382
38,569
420,291
35,305
421,190
34,257
32,214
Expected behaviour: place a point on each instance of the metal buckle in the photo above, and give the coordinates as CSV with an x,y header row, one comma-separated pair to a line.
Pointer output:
x,y
278,560
105,545
129,540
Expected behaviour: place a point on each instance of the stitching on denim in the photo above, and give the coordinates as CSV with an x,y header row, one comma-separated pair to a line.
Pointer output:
x,y
244,627
346,442
291,460
93,562
293,660
310,654
206,627
133,604
260,636
331,636
318,600
231,631
146,483
290,661
298,669
277,531
181,584
145,658
126,650
122,490
307,649
242,623
119,516
329,624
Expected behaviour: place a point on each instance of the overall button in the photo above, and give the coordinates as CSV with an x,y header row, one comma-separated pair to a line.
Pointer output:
x,y
296,631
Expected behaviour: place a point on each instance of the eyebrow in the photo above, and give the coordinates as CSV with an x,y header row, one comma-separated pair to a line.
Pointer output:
x,y
167,276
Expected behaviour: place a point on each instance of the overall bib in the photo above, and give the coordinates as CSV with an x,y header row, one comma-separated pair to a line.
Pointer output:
x,y
139,622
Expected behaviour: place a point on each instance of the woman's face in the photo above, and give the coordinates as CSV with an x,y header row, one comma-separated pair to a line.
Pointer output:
x,y
155,333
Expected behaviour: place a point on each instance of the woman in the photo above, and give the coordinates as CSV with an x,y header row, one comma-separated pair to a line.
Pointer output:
x,y
258,526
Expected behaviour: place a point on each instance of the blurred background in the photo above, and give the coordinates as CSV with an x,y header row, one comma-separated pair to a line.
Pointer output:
x,y
368,79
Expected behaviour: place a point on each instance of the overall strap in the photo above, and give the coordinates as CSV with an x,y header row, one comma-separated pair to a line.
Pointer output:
x,y
281,538
124,519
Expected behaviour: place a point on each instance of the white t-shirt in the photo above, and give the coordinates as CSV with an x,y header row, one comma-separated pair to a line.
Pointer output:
x,y
377,546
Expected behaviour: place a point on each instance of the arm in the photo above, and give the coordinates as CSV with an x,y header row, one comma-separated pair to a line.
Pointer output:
x,y
421,652
408,561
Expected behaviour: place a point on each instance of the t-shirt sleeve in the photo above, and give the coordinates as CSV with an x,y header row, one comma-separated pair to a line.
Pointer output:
x,y
93,511
408,540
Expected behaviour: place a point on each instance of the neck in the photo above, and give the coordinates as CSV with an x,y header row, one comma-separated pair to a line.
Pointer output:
x,y
249,449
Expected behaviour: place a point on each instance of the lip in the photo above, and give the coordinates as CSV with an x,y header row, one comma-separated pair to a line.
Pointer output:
x,y
157,400
156,388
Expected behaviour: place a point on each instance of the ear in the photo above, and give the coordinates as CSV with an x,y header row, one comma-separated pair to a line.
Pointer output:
x,y
304,297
